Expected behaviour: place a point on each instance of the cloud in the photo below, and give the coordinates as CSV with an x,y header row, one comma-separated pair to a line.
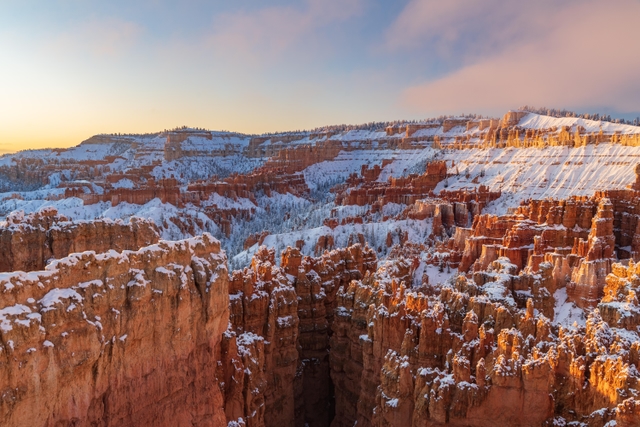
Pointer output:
x,y
468,27
99,36
565,54
270,32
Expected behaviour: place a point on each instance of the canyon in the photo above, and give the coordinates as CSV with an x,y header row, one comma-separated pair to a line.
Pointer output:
x,y
460,271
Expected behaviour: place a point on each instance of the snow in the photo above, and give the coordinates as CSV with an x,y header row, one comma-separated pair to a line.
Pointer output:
x,y
71,205
393,403
406,162
392,209
538,121
124,183
247,340
566,313
14,311
329,173
435,275
375,234
219,141
190,168
226,203
97,283
55,296
138,280
285,322
538,173
624,334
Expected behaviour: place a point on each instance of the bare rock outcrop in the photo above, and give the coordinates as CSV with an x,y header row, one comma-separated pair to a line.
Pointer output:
x,y
275,363
404,190
29,242
264,321
474,356
125,339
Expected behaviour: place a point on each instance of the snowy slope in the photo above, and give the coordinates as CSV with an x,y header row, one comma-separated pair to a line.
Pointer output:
x,y
537,121
556,172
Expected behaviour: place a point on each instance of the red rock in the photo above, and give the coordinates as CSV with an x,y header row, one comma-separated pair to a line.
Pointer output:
x,y
29,242
107,342
404,190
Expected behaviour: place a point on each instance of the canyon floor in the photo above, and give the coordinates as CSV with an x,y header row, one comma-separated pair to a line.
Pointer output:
x,y
456,271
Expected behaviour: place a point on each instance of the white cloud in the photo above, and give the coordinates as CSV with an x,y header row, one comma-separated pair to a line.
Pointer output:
x,y
563,54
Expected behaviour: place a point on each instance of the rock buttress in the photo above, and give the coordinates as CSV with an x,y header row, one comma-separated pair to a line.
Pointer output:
x,y
124,339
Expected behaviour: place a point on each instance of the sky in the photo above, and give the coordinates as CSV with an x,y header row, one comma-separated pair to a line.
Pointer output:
x,y
70,69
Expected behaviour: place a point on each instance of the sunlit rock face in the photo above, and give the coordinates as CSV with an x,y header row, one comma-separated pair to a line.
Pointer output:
x,y
495,345
116,338
371,351
471,356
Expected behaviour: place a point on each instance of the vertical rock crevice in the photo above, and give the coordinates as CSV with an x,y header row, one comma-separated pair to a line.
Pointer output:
x,y
288,311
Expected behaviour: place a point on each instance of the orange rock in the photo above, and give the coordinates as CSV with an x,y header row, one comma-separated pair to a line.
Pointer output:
x,y
101,338
29,242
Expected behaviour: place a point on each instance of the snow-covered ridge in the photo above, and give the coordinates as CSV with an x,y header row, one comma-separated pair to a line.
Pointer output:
x,y
556,172
537,121
151,147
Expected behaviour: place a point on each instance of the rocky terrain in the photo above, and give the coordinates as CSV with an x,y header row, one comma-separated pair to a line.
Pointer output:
x,y
457,271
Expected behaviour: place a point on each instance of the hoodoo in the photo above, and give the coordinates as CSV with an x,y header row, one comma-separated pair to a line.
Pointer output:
x,y
461,271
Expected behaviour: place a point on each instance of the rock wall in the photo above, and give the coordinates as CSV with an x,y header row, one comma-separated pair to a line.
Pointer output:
x,y
405,190
580,237
275,362
317,283
264,324
124,339
29,242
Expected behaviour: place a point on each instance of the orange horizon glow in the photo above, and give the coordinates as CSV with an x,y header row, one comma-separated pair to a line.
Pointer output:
x,y
75,69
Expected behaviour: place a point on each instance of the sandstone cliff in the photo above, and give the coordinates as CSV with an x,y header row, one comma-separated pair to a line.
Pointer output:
x,y
275,363
116,338
29,242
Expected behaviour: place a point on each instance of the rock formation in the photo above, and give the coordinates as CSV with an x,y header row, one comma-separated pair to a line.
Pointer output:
x,y
116,338
397,190
472,356
580,237
532,318
276,360
29,242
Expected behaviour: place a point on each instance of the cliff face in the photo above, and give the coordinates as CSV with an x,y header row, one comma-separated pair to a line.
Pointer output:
x,y
161,336
28,242
124,339
264,323
404,190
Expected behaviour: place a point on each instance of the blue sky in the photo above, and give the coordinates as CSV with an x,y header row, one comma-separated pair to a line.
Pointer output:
x,y
73,68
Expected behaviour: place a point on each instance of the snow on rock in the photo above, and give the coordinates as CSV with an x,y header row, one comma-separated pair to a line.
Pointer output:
x,y
538,173
538,121
124,183
567,313
55,296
